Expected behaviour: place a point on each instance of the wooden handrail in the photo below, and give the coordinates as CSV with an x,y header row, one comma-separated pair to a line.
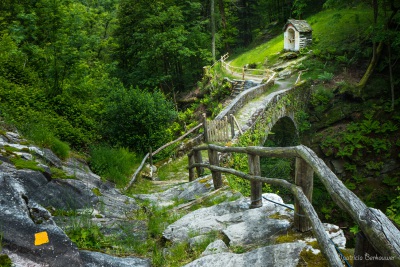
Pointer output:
x,y
151,154
379,230
328,249
176,140
137,172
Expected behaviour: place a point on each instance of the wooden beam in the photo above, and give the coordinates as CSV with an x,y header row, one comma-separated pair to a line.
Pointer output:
x,y
191,160
178,139
137,172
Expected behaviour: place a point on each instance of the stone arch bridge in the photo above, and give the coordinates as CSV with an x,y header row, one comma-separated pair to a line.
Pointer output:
x,y
268,113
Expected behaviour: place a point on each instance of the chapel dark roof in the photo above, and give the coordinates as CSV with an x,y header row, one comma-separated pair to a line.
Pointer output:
x,y
299,25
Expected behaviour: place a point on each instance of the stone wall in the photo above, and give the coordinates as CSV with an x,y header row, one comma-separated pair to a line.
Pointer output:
x,y
243,98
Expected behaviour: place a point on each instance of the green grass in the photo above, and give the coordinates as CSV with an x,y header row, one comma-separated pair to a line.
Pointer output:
x,y
266,51
338,28
44,137
173,169
26,164
113,164
332,29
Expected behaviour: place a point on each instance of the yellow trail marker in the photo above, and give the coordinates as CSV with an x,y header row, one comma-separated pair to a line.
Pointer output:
x,y
41,238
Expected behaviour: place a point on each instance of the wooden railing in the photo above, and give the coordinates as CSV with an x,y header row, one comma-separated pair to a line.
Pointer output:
x,y
151,154
220,130
244,72
379,231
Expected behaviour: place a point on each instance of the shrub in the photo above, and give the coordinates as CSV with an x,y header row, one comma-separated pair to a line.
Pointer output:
x,y
326,76
114,164
137,119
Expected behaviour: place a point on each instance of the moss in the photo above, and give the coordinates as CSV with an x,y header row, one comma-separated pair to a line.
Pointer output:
x,y
26,164
57,173
278,216
96,191
203,181
5,261
309,259
291,235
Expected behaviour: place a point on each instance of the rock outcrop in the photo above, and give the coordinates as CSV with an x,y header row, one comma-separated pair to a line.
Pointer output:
x,y
31,235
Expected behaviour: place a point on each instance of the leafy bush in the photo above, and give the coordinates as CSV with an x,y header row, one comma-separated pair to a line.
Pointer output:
x,y
320,98
137,119
114,164
326,76
393,211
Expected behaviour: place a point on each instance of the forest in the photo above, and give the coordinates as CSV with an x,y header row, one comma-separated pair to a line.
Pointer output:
x,y
83,70
105,81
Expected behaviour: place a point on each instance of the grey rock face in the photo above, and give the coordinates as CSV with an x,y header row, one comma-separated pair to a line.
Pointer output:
x,y
240,224
215,247
186,191
96,259
22,218
25,193
286,255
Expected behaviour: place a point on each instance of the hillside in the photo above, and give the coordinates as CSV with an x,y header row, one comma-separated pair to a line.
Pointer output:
x,y
355,133
82,102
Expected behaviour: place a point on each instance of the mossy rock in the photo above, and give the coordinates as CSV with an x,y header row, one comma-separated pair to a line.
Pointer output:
x,y
5,261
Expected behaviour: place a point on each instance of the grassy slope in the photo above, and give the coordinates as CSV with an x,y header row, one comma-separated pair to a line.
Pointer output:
x,y
331,30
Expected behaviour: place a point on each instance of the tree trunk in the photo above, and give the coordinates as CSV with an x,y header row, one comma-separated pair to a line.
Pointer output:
x,y
212,30
371,67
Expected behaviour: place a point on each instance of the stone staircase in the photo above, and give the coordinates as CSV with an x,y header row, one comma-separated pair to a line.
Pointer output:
x,y
238,87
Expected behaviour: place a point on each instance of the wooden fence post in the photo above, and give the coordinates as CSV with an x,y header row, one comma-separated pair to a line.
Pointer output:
x,y
151,157
304,179
205,128
232,122
365,255
256,187
213,158
198,159
191,160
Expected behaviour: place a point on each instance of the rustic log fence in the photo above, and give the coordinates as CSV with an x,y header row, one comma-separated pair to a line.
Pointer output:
x,y
380,233
245,72
220,130
151,154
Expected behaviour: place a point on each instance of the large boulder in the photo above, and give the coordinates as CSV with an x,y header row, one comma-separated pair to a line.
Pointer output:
x,y
239,224
96,259
287,255
186,192
22,218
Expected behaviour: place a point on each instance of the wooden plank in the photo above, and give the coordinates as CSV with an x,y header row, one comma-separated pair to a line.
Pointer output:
x,y
365,254
205,128
232,124
303,178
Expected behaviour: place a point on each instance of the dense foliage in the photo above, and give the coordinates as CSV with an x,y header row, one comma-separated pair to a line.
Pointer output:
x,y
65,66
